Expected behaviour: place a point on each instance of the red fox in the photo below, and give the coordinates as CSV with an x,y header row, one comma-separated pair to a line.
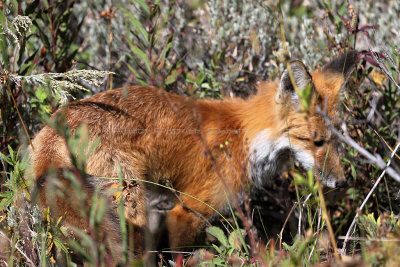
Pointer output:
x,y
204,149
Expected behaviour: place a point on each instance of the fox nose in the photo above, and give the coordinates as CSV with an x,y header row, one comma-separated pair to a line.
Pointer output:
x,y
341,184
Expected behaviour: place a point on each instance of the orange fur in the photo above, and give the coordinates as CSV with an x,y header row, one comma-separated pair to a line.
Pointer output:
x,y
204,148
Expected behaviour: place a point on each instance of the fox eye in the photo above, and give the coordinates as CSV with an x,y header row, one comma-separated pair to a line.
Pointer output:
x,y
319,143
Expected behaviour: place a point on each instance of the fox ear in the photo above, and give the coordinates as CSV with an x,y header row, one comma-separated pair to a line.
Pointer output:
x,y
301,77
330,79
344,64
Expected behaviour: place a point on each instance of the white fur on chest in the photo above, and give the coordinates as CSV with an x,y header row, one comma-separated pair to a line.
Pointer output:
x,y
269,157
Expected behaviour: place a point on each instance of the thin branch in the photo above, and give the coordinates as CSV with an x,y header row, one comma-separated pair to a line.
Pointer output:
x,y
384,141
374,159
370,239
301,212
19,114
318,230
29,261
284,225
383,67
325,216
343,251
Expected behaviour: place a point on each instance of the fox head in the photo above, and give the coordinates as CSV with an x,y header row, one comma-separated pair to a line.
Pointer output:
x,y
308,131
304,136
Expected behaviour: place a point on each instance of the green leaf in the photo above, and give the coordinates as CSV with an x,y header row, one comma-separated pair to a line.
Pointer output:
x,y
353,172
305,97
144,5
287,247
206,86
299,179
7,199
15,6
4,53
235,239
218,261
3,20
83,253
219,234
217,248
310,176
59,244
201,78
40,94
11,151
214,262
136,24
141,55
137,75
46,4
165,50
173,76
7,159
28,66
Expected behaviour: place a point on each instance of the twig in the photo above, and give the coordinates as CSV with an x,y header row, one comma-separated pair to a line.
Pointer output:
x,y
30,262
343,251
375,159
171,251
387,145
4,262
284,225
325,215
383,67
20,117
198,214
369,239
318,230
301,212
3,174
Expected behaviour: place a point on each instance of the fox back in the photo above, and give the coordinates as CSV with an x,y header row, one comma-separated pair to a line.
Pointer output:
x,y
204,149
